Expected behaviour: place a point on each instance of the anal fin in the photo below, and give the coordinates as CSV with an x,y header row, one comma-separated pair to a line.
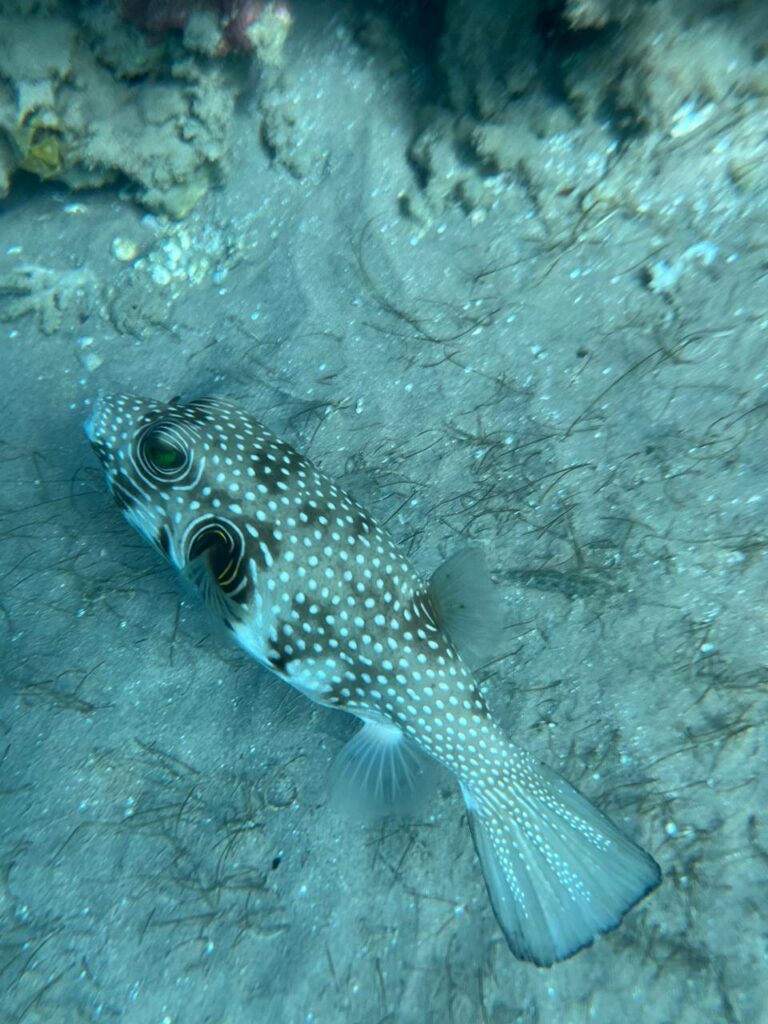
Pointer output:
x,y
380,772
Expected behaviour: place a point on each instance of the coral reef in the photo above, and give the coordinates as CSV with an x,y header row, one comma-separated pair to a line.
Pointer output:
x,y
51,296
583,14
525,82
88,98
677,65
214,27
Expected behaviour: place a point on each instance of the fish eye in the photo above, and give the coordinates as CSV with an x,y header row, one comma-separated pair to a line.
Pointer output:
x,y
164,456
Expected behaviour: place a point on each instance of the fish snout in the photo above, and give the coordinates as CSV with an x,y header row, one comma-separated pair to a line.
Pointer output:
x,y
98,423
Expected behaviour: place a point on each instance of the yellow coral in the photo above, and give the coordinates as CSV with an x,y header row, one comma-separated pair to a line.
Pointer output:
x,y
39,149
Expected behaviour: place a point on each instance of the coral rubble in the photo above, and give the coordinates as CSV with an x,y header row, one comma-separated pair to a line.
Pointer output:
x,y
98,93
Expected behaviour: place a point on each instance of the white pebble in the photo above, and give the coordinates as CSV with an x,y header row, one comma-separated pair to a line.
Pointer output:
x,y
124,249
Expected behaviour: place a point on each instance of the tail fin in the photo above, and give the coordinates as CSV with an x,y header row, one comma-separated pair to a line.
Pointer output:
x,y
558,871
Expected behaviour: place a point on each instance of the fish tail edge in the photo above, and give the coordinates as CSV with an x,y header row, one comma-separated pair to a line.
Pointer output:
x,y
558,871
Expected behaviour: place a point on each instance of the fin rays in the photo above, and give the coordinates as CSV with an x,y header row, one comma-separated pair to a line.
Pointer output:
x,y
379,771
466,604
558,871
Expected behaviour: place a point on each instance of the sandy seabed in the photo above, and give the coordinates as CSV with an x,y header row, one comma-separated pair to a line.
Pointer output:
x,y
557,351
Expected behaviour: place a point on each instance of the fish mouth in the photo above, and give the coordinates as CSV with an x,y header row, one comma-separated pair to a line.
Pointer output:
x,y
95,431
94,425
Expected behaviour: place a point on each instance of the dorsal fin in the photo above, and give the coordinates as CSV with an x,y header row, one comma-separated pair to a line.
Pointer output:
x,y
466,605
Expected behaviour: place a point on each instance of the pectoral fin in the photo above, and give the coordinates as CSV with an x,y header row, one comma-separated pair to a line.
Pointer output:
x,y
216,569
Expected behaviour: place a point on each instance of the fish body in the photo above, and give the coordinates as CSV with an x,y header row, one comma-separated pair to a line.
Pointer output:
x,y
314,589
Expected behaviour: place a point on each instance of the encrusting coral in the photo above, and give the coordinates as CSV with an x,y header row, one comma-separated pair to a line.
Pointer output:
x,y
127,89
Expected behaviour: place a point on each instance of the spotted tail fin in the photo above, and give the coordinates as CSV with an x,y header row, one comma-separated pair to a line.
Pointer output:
x,y
558,871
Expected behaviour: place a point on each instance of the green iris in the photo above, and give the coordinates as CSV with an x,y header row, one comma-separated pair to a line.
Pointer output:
x,y
165,456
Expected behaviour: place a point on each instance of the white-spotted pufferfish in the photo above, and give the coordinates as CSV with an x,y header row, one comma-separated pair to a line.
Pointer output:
x,y
315,590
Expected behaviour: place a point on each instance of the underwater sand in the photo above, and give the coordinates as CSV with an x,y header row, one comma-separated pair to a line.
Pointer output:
x,y
168,852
